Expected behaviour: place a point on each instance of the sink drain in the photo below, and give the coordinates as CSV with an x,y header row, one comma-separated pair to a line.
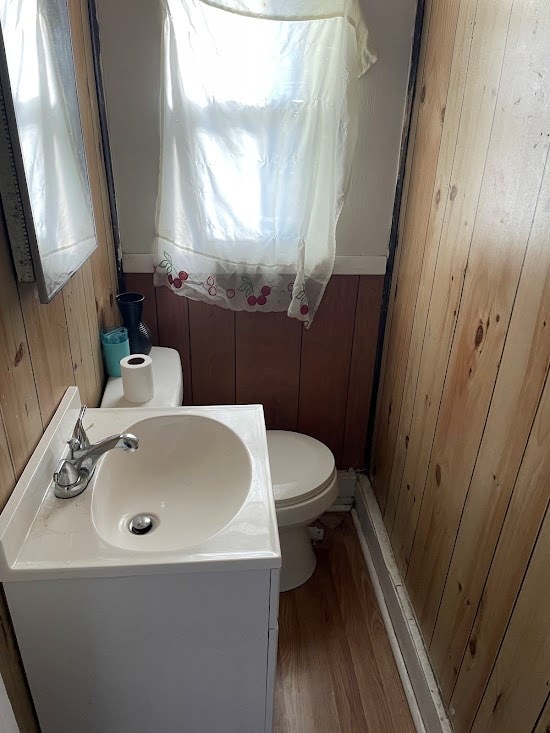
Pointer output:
x,y
142,524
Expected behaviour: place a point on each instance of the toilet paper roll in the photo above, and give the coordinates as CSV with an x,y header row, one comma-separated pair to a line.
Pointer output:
x,y
137,378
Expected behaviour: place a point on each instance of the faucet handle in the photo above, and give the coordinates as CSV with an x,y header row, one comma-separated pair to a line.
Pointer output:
x,y
79,439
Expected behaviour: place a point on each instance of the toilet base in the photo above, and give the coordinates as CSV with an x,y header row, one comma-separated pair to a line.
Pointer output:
x,y
298,558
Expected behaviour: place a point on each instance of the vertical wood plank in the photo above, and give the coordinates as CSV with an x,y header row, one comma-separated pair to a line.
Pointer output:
x,y
365,337
526,510
93,324
18,397
46,328
39,345
173,329
519,682
466,357
433,96
137,282
82,334
103,259
543,723
325,366
517,392
456,189
212,340
502,233
267,362
7,473
470,132
408,188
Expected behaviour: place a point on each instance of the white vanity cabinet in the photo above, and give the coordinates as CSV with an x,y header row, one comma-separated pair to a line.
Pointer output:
x,y
155,653
172,630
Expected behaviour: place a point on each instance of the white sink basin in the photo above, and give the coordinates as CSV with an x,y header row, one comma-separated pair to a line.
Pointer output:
x,y
202,473
191,474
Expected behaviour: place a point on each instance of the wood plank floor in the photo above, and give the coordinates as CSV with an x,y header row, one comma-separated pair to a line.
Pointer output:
x,y
336,672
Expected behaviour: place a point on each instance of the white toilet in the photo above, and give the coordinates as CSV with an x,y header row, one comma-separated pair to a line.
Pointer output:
x,y
305,484
303,471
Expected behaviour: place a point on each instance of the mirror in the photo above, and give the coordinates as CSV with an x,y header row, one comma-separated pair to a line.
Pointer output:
x,y
44,181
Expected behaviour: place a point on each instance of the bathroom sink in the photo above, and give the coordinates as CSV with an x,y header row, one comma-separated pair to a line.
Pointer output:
x,y
201,474
189,479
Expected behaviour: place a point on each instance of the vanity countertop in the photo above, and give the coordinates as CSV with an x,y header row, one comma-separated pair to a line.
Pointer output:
x,y
42,536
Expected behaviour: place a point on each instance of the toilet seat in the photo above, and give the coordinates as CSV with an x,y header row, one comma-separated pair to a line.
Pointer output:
x,y
301,467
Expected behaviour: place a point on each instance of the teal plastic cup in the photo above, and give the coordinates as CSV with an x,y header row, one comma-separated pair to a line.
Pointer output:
x,y
115,347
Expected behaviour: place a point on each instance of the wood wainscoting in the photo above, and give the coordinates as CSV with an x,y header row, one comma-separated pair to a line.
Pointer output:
x,y
317,381
461,458
46,348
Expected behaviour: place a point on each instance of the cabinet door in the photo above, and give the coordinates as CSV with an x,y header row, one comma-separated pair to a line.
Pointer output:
x,y
176,652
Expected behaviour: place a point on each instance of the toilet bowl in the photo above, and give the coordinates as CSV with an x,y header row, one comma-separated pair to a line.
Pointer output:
x,y
303,472
305,484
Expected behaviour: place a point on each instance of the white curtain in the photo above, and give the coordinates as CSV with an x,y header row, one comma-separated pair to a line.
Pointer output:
x,y
259,124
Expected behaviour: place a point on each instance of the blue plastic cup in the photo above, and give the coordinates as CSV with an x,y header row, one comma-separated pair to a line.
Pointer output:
x,y
115,347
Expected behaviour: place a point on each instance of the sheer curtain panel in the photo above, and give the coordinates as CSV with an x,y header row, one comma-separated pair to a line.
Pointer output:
x,y
258,128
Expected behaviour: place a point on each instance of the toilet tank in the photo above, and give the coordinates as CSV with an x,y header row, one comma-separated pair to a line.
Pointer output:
x,y
167,377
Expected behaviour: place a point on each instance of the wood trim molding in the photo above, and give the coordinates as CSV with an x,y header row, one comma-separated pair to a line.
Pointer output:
x,y
400,616
343,264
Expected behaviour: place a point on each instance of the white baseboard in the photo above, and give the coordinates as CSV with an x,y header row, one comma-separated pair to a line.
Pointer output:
x,y
343,264
410,654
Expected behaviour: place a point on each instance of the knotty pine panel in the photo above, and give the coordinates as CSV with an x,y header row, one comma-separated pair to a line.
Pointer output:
x,y
519,677
517,393
457,186
46,348
460,448
19,404
82,325
102,261
518,539
49,345
497,249
431,101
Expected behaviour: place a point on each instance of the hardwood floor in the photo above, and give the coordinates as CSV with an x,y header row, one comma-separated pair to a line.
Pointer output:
x,y
336,672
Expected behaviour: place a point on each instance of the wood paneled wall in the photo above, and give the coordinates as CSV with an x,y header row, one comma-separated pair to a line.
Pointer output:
x,y
46,348
317,381
461,458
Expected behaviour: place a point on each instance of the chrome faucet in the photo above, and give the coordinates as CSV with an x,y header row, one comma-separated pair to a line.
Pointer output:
x,y
74,473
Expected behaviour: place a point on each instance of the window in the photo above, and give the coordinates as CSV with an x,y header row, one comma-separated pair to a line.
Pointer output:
x,y
258,129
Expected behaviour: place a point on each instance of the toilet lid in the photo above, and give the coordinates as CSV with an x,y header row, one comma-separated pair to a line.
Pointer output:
x,y
301,467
